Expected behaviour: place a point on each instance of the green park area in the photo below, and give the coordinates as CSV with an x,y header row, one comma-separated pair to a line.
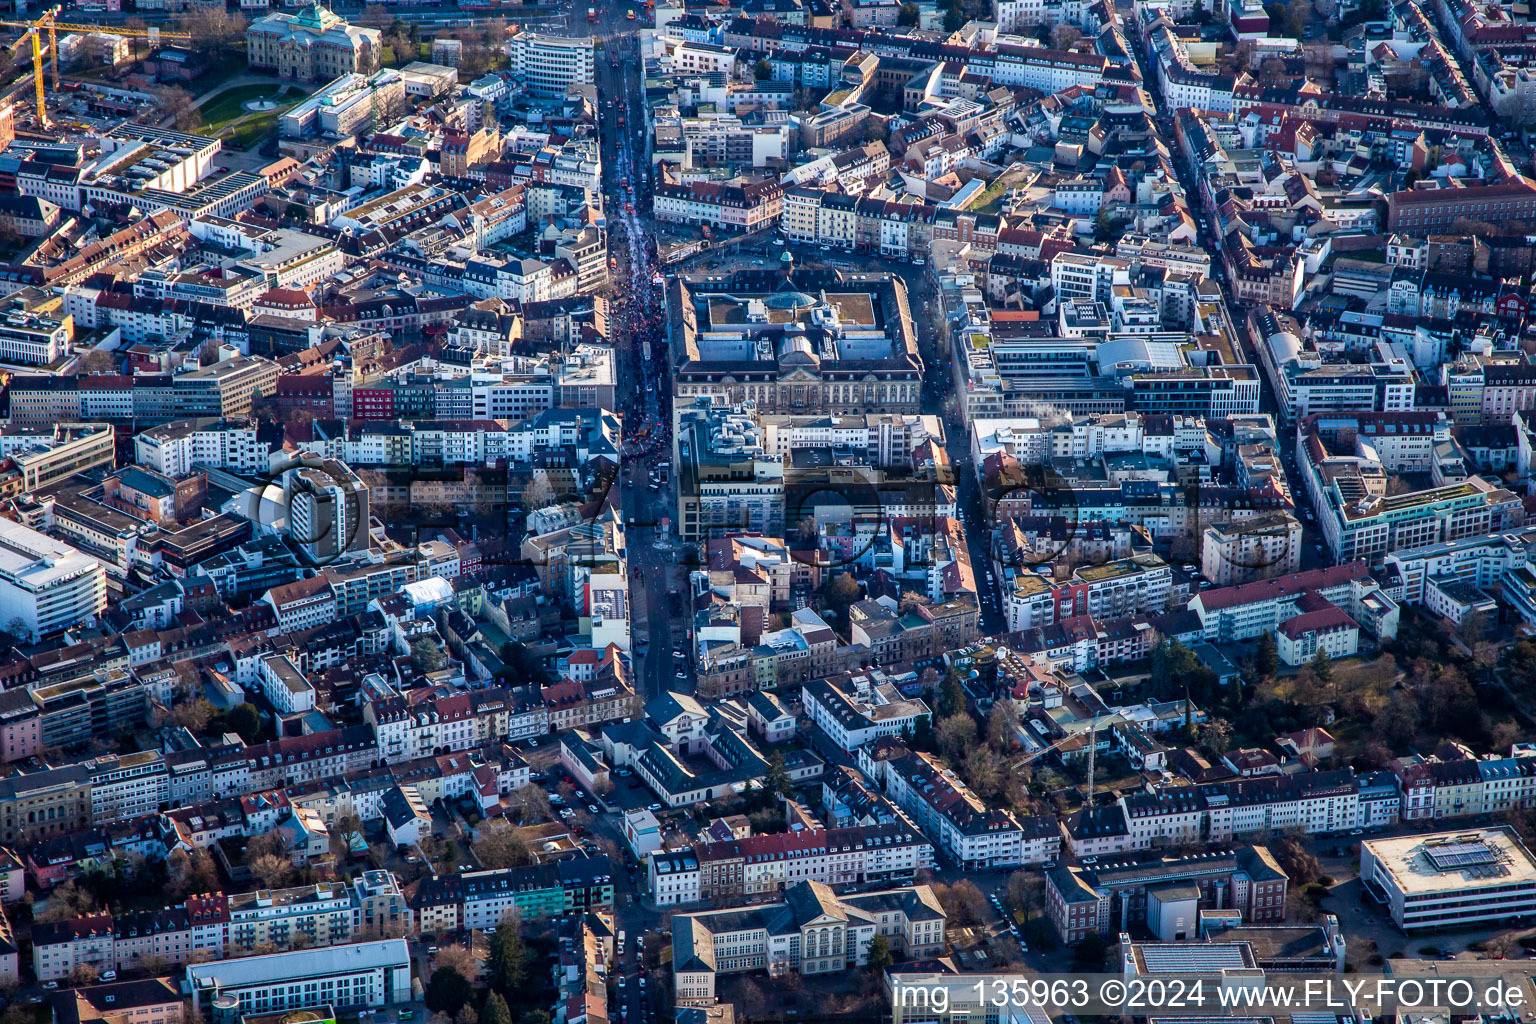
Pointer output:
x,y
226,116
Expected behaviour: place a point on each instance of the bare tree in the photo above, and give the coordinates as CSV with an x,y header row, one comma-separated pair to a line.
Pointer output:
x,y
963,902
193,715
533,803
214,29
504,848
68,902
175,104
191,873
1002,723
458,959
1063,36
376,16
956,734
271,870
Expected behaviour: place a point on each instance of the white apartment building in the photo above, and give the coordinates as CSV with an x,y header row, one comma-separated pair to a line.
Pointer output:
x,y
319,915
703,58
1023,437
1481,560
853,718
128,786
1256,547
799,213
174,449
972,835
302,603
213,925
285,686
1315,803
1243,612
674,877
755,866
1076,276
1139,585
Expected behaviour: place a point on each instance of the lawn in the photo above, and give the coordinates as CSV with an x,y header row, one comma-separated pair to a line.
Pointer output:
x,y
990,199
225,115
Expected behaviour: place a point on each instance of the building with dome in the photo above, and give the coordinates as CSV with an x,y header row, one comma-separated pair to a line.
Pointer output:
x,y
313,45
795,341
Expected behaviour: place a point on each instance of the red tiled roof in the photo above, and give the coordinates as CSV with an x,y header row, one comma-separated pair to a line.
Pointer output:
x,y
1324,620
1282,586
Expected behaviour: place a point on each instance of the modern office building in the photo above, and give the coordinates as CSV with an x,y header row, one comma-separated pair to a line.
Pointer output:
x,y
1451,879
549,65
33,339
346,106
45,455
360,975
724,479
327,509
45,585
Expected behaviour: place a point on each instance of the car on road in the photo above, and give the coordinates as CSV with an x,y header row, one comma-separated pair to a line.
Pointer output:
x,y
591,809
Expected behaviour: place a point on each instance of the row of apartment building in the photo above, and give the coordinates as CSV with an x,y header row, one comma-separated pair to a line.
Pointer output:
x,y
754,866
212,926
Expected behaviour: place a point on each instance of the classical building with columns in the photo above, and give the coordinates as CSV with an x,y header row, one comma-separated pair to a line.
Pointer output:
x,y
795,341
811,931
313,45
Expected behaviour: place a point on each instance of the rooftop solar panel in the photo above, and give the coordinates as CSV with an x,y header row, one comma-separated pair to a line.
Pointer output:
x,y
1455,856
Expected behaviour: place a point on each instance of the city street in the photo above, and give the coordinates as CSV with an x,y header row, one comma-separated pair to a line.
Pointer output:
x,y
635,320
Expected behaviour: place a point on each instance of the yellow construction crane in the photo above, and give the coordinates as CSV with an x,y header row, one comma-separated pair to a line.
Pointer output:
x,y
47,22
